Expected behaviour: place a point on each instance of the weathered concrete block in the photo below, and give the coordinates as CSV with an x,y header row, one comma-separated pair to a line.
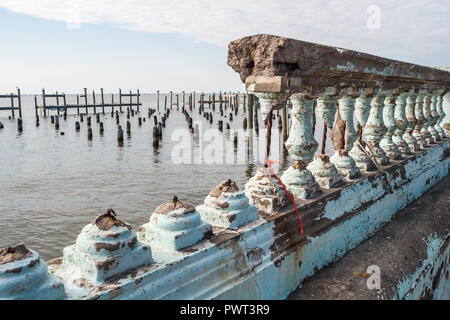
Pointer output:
x,y
103,249
174,226
410,257
23,275
227,207
266,192
325,172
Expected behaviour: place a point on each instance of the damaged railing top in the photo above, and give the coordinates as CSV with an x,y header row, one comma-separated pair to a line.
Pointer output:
x,y
268,63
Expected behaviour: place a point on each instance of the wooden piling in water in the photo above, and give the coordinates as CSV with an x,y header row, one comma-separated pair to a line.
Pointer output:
x,y
85,100
57,103
131,102
36,108
284,123
103,100
120,100
250,103
65,106
138,96
160,130
93,101
157,100
155,137
19,125
19,101
112,102
119,134
43,103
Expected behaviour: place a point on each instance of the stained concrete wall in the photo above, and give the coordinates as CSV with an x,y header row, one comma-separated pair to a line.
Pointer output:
x,y
412,253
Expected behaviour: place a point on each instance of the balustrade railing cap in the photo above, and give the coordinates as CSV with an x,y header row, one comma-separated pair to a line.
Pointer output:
x,y
269,63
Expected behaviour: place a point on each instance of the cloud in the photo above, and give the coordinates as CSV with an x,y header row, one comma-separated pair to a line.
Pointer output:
x,y
420,26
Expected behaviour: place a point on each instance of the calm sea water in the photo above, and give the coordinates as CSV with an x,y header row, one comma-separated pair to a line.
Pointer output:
x,y
52,185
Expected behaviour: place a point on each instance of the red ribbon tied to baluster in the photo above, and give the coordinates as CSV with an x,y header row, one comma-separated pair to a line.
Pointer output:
x,y
288,193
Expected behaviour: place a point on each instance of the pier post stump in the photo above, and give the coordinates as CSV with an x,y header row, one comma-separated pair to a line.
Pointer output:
x,y
119,134
250,100
19,125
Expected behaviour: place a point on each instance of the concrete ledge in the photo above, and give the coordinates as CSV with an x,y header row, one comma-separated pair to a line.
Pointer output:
x,y
263,62
412,252
268,258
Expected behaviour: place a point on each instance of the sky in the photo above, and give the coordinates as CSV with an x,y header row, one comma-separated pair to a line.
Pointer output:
x,y
177,45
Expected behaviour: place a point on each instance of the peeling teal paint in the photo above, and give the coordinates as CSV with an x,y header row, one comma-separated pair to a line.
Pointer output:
x,y
416,285
347,67
28,279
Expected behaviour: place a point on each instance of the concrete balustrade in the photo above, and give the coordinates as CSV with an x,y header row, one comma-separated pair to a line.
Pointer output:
x,y
248,245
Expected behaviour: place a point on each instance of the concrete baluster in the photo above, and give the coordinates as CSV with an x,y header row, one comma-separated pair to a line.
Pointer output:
x,y
411,123
434,119
441,115
428,118
341,159
301,147
386,143
446,111
322,169
418,112
375,129
269,101
401,124
362,109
